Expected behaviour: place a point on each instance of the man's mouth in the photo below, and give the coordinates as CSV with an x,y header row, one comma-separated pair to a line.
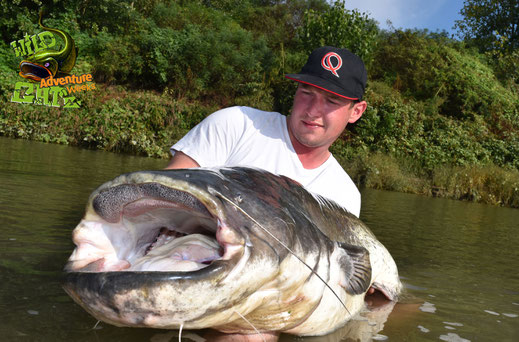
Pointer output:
x,y
311,124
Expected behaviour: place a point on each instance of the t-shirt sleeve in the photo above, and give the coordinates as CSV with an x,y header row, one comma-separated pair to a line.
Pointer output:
x,y
211,142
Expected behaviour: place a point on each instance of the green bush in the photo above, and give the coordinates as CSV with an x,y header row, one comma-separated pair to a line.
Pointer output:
x,y
438,70
339,27
506,67
110,118
177,48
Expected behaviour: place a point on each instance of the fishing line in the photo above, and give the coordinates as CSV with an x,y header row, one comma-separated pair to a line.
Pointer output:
x,y
180,332
287,248
253,327
95,326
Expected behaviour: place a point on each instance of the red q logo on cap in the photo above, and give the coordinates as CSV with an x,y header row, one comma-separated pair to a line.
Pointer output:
x,y
327,64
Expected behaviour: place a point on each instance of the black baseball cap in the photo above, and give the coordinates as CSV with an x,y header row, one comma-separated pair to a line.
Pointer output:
x,y
334,70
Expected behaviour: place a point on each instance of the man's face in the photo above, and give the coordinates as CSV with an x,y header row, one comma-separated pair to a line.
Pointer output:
x,y
319,117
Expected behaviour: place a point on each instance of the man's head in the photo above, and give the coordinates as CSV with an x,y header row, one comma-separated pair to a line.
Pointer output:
x,y
334,70
329,96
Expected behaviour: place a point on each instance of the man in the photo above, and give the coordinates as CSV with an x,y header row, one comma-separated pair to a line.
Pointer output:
x,y
329,96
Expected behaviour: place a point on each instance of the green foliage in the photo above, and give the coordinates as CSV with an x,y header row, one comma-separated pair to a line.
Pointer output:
x,y
282,90
195,52
454,80
339,27
18,17
110,118
506,68
416,130
409,60
490,24
278,20
8,71
116,17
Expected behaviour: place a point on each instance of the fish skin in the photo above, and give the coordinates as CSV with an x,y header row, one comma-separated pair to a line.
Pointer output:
x,y
259,217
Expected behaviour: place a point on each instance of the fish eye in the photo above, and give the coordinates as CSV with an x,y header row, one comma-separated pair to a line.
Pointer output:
x,y
47,64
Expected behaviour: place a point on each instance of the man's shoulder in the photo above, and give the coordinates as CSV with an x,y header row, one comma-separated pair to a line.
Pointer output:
x,y
232,113
247,119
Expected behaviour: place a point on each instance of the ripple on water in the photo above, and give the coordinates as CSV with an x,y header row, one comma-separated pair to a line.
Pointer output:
x,y
491,312
423,329
428,307
454,324
452,337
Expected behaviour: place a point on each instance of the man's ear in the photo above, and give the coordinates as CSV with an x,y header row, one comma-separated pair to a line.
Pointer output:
x,y
358,110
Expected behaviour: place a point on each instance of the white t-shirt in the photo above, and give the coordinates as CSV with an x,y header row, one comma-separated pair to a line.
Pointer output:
x,y
244,136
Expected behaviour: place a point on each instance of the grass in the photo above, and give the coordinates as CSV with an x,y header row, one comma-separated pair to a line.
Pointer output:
x,y
488,184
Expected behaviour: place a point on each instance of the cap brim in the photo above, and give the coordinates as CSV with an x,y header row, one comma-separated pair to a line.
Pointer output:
x,y
320,83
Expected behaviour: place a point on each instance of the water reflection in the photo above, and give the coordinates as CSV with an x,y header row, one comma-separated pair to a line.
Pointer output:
x,y
458,260
361,329
364,328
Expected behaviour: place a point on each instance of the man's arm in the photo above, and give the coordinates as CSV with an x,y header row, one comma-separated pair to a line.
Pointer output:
x,y
211,141
181,161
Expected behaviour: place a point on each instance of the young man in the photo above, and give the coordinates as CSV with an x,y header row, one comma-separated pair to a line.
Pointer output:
x,y
329,96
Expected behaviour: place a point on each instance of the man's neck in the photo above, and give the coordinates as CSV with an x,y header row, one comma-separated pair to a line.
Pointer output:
x,y
310,157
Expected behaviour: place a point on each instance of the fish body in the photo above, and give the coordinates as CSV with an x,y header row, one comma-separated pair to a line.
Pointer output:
x,y
203,248
49,62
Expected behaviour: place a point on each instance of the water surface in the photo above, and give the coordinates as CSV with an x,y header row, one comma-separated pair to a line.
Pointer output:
x,y
458,260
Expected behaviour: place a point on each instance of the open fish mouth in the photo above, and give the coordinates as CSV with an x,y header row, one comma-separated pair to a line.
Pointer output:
x,y
151,227
150,244
34,71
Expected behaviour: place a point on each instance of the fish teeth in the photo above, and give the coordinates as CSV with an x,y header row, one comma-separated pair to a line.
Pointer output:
x,y
165,236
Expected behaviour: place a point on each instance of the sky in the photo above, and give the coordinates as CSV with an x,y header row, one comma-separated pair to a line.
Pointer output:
x,y
434,15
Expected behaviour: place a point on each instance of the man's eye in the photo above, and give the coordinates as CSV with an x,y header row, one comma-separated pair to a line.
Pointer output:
x,y
333,102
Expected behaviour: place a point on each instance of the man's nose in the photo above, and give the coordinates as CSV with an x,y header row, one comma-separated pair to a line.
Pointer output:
x,y
316,106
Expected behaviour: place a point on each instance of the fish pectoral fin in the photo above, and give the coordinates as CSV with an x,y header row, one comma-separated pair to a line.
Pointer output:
x,y
356,266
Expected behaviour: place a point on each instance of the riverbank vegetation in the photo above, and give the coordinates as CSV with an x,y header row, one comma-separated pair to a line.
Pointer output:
x,y
443,114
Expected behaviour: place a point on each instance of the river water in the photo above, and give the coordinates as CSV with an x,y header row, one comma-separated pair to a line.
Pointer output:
x,y
458,261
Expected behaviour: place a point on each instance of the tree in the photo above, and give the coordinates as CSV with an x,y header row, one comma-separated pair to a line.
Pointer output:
x,y
490,24
339,27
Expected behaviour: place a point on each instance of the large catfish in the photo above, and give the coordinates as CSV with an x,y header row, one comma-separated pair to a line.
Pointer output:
x,y
234,249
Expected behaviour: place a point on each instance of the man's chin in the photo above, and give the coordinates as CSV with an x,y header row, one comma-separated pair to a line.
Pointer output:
x,y
312,139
